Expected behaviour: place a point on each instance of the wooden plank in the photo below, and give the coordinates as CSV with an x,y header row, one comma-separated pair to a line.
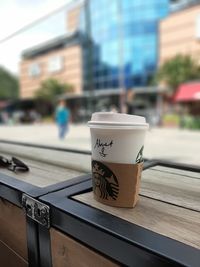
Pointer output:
x,y
13,228
9,258
68,252
189,174
74,161
42,174
166,219
171,187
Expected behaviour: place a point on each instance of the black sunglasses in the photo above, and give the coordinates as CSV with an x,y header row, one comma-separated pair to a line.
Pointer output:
x,y
13,165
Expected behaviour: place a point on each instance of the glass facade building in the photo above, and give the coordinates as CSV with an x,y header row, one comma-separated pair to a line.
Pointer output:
x,y
124,35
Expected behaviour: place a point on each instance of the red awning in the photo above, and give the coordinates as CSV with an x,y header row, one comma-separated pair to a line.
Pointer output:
x,y
188,92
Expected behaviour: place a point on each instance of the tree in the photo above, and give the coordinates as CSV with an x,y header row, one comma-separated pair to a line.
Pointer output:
x,y
51,88
177,70
9,85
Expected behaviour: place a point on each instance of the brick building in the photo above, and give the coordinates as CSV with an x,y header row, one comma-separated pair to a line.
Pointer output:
x,y
112,60
180,34
60,58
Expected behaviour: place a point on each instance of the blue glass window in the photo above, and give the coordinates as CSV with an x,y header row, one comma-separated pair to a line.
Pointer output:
x,y
135,20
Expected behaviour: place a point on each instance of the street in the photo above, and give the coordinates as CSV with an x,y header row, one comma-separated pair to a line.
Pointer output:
x,y
171,144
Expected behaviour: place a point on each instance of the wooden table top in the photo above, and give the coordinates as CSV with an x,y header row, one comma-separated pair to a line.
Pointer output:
x,y
42,174
169,204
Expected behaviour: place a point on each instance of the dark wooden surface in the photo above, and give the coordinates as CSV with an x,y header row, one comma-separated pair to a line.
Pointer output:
x,y
13,228
9,258
68,252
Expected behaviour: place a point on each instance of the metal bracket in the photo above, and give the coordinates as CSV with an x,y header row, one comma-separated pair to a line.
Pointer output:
x,y
36,210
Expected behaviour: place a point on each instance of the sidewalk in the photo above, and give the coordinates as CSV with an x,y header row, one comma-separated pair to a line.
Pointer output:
x,y
172,144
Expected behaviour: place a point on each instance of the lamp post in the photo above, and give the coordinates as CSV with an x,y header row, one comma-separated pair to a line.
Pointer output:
x,y
121,59
90,82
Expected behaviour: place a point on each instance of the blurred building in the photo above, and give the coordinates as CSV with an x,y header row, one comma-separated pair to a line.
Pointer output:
x,y
180,32
121,51
125,41
176,5
60,58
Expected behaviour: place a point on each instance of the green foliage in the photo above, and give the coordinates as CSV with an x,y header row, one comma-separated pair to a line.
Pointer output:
x,y
178,70
9,85
171,119
185,122
189,122
47,119
51,88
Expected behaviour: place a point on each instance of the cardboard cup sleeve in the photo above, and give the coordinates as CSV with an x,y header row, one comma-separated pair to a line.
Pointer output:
x,y
116,184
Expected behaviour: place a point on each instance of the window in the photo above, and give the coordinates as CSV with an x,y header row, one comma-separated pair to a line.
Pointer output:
x,y
55,64
34,70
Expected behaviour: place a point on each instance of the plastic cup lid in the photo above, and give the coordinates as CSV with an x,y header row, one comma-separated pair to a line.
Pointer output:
x,y
117,119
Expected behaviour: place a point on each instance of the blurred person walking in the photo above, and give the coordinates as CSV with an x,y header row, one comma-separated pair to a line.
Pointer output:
x,y
62,119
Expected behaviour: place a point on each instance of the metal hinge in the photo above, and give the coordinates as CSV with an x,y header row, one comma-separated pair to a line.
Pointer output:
x,y
36,210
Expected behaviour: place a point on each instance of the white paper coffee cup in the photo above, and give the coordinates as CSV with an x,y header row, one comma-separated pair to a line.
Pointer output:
x,y
117,146
117,138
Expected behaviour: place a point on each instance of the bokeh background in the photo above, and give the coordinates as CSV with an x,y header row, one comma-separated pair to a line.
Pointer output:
x,y
132,56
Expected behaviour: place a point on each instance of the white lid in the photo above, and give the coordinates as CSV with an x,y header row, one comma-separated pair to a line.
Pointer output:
x,y
117,119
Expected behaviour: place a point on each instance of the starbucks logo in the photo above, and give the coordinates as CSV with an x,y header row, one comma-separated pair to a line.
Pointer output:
x,y
105,183
139,157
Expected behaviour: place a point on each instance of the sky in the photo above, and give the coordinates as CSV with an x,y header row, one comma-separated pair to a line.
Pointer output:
x,y
15,14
